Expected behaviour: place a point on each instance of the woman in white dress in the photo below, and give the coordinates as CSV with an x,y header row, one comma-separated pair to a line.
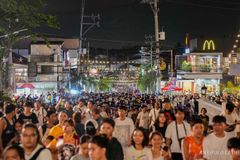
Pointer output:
x,y
139,150
159,151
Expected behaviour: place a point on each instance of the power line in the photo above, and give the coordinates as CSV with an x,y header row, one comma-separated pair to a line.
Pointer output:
x,y
224,2
114,41
204,6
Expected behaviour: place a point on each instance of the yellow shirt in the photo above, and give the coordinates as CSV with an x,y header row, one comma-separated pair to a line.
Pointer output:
x,y
56,131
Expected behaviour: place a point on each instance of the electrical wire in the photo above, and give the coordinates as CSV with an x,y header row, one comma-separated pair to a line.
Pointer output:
x,y
224,2
203,5
115,41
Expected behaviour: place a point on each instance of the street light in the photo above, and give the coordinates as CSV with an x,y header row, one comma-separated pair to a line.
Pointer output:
x,y
204,90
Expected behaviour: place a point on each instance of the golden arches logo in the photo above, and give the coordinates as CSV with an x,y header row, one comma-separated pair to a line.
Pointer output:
x,y
208,45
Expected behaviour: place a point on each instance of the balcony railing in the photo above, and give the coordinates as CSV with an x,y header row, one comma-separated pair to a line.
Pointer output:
x,y
202,68
41,58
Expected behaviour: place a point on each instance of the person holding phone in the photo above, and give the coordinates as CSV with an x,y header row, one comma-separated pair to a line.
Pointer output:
x,y
159,151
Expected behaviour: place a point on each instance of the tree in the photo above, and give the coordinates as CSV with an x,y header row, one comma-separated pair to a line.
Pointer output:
x,y
186,66
147,81
19,19
103,84
230,88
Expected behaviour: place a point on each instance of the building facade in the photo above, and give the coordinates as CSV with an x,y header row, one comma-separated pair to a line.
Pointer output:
x,y
203,67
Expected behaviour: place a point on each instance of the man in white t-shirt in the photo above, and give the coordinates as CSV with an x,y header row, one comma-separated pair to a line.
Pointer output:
x,y
176,131
124,127
30,141
40,112
215,144
80,107
87,113
154,113
230,114
142,118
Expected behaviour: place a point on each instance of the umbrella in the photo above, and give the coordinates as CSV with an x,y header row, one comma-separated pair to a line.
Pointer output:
x,y
27,85
171,88
178,89
165,88
168,87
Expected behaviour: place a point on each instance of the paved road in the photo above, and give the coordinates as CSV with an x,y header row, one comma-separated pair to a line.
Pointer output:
x,y
212,108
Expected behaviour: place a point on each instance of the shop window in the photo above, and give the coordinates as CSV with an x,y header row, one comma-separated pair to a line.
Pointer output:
x,y
237,79
47,70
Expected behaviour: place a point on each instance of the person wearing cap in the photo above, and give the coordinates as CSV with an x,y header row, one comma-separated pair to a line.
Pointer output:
x,y
176,131
28,115
215,144
91,127
7,130
51,119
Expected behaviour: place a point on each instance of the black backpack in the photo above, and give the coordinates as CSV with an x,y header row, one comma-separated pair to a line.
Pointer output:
x,y
35,156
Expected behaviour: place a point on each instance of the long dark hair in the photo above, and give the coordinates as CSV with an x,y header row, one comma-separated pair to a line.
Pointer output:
x,y
145,137
156,123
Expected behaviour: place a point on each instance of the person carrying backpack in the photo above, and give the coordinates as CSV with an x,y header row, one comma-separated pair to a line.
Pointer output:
x,y
51,119
31,144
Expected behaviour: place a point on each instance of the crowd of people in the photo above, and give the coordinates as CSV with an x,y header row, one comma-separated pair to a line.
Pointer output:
x,y
118,126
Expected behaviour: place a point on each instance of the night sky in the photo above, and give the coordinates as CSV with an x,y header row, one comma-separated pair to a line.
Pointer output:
x,y
125,22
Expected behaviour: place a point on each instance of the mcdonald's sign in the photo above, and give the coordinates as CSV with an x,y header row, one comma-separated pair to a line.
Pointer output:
x,y
208,45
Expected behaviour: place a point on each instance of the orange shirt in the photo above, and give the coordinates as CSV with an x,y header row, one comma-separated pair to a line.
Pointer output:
x,y
195,149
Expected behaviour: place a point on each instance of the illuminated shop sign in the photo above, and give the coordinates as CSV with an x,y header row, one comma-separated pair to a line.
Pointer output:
x,y
208,45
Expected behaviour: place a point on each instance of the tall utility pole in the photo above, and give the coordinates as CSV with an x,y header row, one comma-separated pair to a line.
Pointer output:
x,y
81,27
155,9
94,22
